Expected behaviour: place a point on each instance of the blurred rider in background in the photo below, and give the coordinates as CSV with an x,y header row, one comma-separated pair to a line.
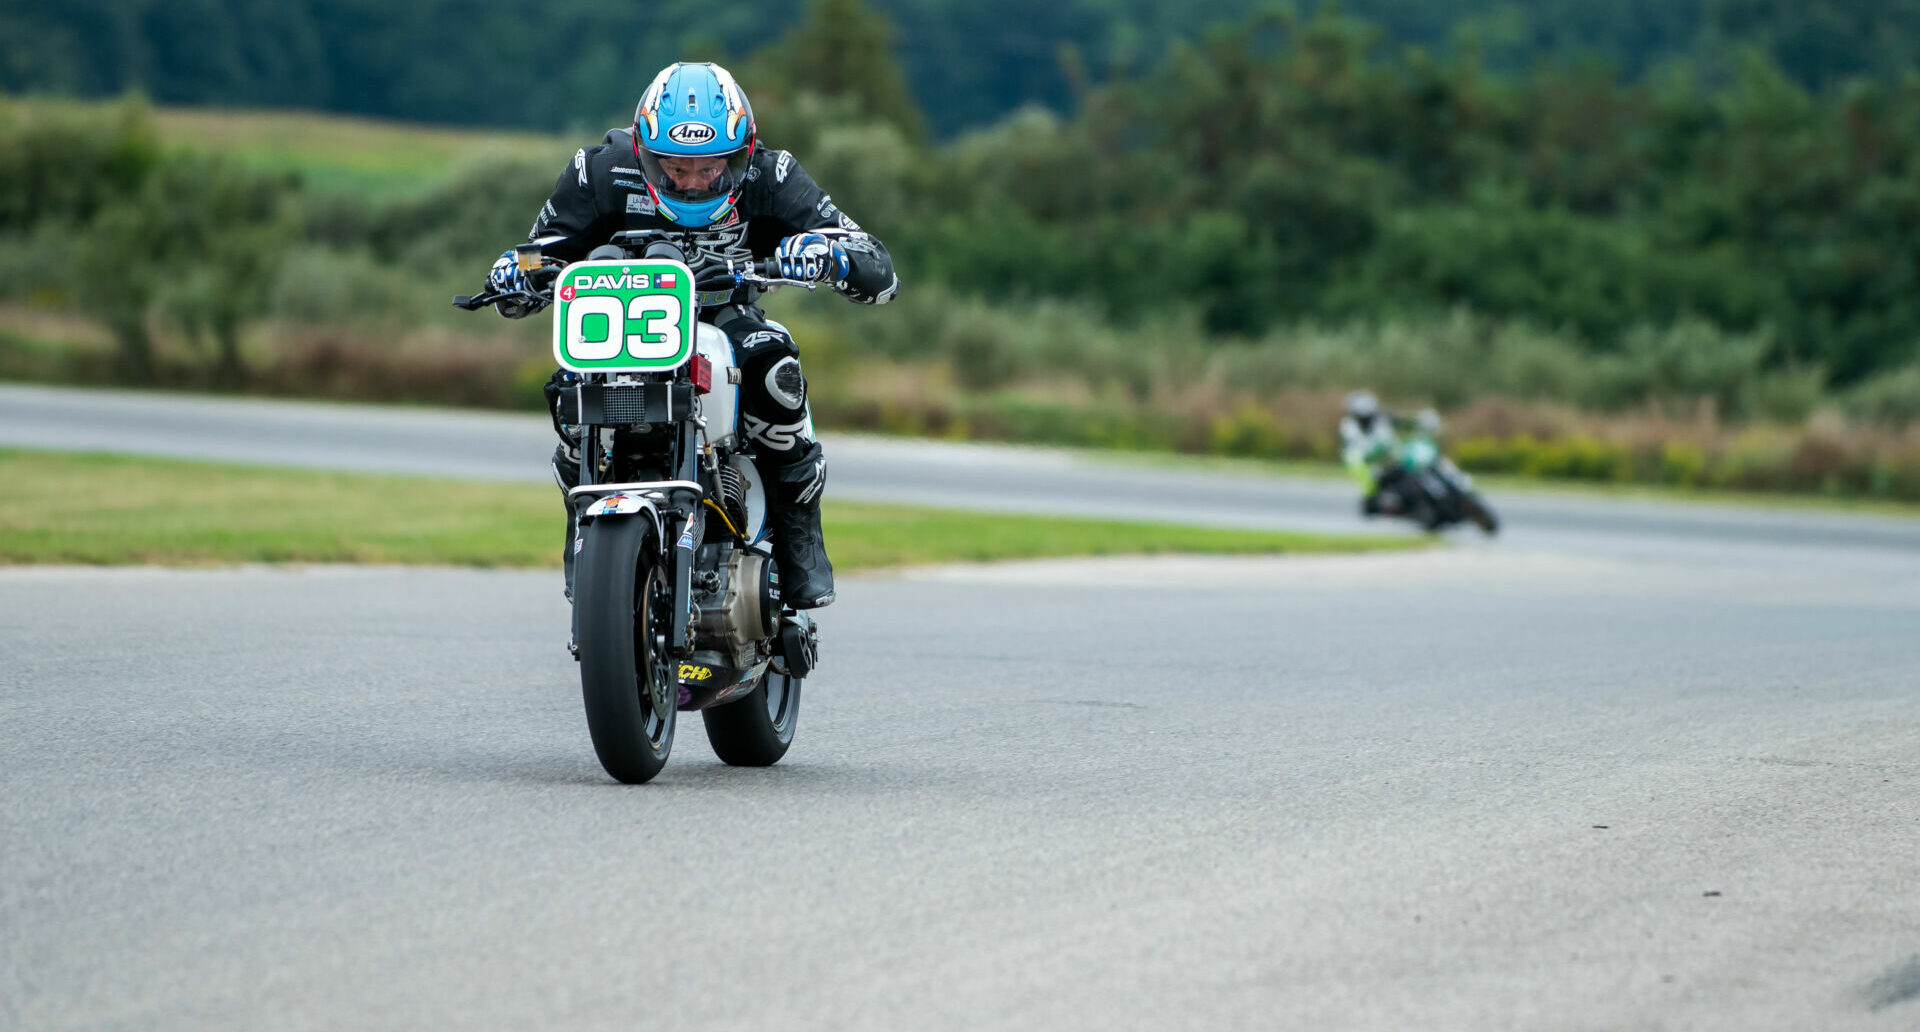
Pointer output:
x,y
1371,453
691,162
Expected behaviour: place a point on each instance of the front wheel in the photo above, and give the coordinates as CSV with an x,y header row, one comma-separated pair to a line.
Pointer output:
x,y
756,730
624,608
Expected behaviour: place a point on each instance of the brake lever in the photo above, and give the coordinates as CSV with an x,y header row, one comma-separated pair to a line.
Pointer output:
x,y
475,302
749,276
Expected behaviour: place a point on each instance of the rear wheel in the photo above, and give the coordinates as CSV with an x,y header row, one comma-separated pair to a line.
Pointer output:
x,y
756,730
1480,513
624,606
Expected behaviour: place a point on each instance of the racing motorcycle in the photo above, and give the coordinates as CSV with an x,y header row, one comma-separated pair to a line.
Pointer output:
x,y
1433,492
677,601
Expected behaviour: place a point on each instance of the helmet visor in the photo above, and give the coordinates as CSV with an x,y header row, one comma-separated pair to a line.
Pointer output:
x,y
695,178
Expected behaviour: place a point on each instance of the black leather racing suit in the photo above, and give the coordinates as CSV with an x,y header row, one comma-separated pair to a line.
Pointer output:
x,y
601,192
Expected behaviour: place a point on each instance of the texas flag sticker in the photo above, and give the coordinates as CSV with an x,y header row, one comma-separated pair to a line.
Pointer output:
x,y
665,280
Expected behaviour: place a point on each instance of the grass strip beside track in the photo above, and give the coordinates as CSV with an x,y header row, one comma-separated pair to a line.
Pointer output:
x,y
116,509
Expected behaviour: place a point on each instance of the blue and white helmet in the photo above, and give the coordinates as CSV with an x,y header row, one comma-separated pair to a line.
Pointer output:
x,y
694,111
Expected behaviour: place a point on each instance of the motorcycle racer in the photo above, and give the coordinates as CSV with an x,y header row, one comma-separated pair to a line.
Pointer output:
x,y
1369,449
692,162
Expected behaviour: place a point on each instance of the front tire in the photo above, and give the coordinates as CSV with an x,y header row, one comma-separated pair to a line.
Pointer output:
x,y
623,603
756,730
1427,515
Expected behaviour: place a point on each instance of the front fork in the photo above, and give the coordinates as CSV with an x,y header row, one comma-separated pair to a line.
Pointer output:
x,y
682,513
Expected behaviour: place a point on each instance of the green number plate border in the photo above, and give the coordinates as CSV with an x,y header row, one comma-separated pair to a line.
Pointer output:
x,y
617,281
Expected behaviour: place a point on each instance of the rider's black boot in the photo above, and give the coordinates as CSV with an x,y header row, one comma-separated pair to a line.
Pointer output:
x,y
793,508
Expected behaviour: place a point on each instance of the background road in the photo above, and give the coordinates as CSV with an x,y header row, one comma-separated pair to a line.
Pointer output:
x,y
1646,767
497,446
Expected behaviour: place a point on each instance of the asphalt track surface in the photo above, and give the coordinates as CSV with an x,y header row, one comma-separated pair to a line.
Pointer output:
x,y
1630,766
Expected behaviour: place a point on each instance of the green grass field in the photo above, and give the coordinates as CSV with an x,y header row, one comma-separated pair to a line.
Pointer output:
x,y
334,154
115,509
368,157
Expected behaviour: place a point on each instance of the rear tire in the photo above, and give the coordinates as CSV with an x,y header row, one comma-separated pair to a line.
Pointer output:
x,y
756,730
621,600
1480,513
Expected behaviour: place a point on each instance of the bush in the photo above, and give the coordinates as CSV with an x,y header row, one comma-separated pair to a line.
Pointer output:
x,y
1889,399
1682,464
65,165
481,208
1247,430
322,286
1683,362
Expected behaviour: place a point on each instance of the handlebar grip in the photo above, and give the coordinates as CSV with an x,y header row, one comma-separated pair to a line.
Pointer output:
x,y
718,278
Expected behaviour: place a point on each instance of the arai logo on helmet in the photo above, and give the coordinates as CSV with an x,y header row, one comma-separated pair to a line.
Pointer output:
x,y
692,134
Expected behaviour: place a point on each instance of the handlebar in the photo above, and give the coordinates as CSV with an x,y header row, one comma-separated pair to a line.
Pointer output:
x,y
540,279
670,245
763,273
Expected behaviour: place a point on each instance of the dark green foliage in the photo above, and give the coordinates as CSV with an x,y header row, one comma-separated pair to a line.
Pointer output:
x,y
483,63
66,171
219,233
842,49
1299,168
1278,171
115,227
478,211
966,62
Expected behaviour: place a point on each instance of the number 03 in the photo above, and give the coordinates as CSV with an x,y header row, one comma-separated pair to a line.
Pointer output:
x,y
659,317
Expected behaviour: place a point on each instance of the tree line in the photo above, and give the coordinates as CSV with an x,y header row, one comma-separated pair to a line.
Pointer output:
x,y
1291,168
967,62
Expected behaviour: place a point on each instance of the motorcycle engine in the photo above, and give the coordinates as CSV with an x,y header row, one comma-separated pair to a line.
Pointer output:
x,y
740,611
733,494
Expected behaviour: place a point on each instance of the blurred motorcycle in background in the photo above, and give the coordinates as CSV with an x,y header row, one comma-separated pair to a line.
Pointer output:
x,y
1408,476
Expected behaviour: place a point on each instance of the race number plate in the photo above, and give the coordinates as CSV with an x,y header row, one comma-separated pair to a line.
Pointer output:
x,y
623,316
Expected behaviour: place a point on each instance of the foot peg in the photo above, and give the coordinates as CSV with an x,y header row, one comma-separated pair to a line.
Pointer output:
x,y
799,647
